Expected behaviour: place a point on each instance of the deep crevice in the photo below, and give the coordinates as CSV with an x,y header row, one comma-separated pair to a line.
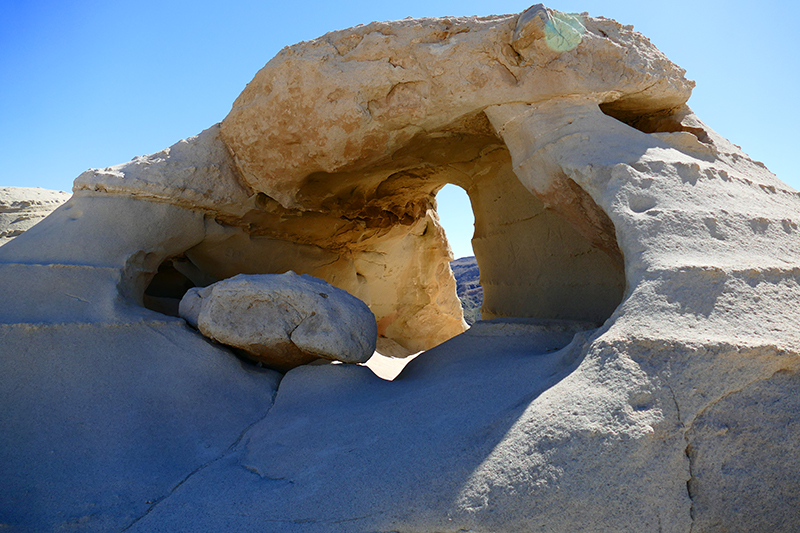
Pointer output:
x,y
688,452
661,121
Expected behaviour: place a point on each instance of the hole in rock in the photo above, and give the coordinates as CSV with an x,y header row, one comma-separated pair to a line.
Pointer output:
x,y
455,216
370,230
164,292
533,261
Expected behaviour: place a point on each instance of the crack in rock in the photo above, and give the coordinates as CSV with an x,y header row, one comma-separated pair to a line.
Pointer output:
x,y
687,450
222,455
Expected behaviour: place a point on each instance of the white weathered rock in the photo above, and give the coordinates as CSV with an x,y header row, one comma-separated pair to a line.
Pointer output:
x,y
348,100
599,198
283,320
196,172
23,207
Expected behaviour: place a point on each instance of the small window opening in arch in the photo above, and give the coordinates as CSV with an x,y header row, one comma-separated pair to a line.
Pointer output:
x,y
458,220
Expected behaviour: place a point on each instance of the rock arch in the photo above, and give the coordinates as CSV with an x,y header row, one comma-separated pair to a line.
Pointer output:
x,y
341,141
329,160
375,233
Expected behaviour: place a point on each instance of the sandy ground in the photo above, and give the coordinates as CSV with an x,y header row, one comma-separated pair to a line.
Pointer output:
x,y
388,367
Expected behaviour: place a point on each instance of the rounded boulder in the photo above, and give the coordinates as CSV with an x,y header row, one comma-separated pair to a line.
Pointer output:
x,y
283,320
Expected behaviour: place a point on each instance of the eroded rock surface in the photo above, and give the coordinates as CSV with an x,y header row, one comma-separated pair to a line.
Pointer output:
x,y
283,320
23,207
601,201
376,95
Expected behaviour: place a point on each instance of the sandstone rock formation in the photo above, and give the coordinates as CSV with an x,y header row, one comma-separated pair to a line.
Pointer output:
x,y
22,207
647,381
243,230
283,320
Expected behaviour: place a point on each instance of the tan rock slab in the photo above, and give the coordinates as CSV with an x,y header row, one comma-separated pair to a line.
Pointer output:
x,y
283,320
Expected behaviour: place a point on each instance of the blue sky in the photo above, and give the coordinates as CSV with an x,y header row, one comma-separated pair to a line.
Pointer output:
x,y
94,83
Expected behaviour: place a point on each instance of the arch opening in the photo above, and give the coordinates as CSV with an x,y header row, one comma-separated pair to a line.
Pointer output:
x,y
374,232
458,222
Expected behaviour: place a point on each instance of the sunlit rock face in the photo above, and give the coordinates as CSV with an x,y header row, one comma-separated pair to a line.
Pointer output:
x,y
329,162
23,207
367,123
283,320
641,273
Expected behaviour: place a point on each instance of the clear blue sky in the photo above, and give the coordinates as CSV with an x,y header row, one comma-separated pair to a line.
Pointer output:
x,y
94,83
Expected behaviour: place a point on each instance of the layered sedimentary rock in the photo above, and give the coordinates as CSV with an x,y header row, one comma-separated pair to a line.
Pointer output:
x,y
23,207
642,274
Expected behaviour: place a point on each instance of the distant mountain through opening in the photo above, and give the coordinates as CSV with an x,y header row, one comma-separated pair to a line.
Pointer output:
x,y
468,287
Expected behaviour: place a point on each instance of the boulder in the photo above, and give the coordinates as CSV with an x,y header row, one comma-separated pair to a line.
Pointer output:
x,y
283,320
